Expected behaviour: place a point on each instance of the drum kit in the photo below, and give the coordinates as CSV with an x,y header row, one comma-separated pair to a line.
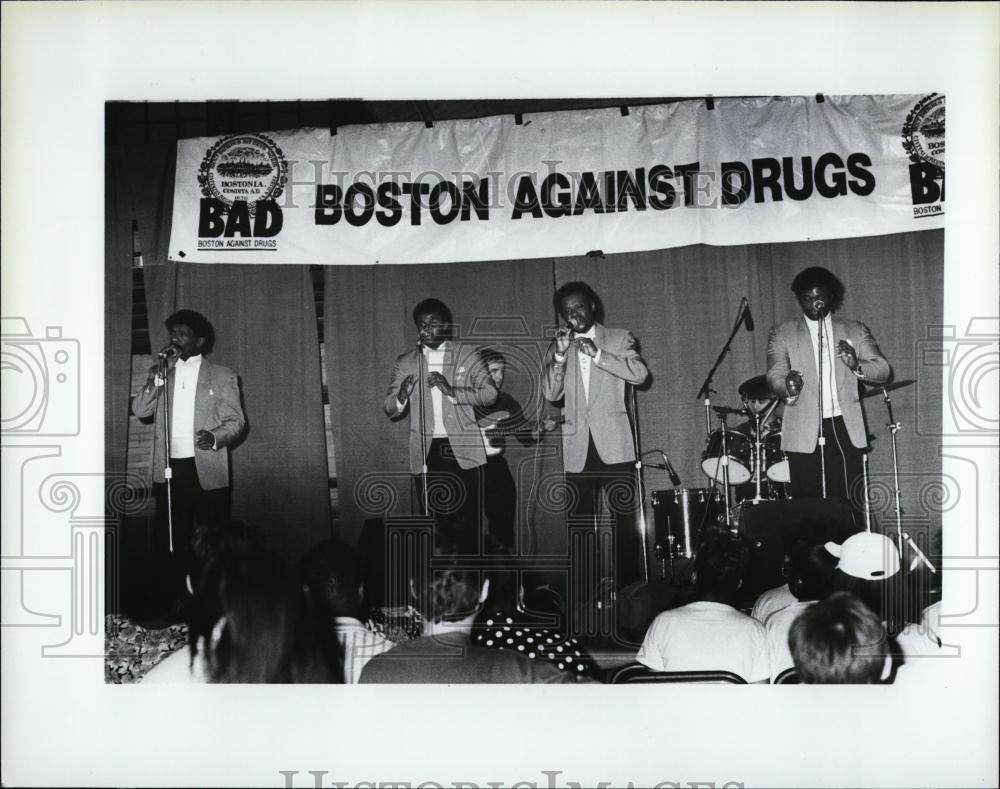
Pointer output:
x,y
747,458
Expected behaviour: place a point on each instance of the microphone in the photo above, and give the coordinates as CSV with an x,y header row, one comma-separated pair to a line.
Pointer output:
x,y
820,306
747,317
169,351
674,479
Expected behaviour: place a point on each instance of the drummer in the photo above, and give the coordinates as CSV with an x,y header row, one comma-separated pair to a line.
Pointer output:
x,y
757,400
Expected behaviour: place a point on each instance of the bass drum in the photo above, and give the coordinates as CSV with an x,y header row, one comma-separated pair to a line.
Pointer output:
x,y
739,450
679,516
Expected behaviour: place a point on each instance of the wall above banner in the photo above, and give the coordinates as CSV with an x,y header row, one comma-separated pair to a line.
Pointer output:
x,y
758,170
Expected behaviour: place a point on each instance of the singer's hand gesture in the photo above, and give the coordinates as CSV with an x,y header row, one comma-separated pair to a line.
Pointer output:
x,y
562,340
847,354
204,440
793,383
438,381
405,389
586,345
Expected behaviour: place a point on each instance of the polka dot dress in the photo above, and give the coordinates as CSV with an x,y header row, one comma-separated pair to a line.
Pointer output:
x,y
504,632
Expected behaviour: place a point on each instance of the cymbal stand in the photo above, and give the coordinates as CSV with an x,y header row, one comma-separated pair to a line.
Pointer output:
x,y
759,422
724,462
893,427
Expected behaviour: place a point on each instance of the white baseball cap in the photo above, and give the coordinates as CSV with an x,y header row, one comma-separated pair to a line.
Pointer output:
x,y
867,555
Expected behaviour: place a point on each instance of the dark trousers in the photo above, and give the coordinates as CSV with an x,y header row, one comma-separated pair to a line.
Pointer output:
x,y
500,499
616,481
452,495
844,469
190,505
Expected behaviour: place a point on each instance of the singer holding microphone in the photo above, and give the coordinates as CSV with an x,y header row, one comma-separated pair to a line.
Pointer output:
x,y
586,367
849,356
204,419
439,383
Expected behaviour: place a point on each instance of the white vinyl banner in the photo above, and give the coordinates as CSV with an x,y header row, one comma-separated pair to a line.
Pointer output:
x,y
744,171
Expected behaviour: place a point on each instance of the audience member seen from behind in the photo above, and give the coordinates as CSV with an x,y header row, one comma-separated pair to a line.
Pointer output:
x,y
869,567
449,600
810,568
710,634
332,573
210,545
252,623
839,640
507,621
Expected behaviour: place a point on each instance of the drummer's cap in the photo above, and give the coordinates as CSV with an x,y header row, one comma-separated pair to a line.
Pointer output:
x,y
866,555
756,388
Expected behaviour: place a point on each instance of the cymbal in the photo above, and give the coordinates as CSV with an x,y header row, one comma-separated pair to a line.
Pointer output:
x,y
875,391
756,388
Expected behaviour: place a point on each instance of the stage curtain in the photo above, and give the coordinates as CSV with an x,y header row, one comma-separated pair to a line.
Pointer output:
x,y
681,304
264,318
139,181
118,323
368,323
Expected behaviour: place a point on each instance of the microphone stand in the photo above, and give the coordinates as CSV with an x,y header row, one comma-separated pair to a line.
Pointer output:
x,y
705,392
821,439
893,427
640,490
168,472
423,430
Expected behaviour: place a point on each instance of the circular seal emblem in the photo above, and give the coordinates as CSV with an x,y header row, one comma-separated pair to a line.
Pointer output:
x,y
923,131
247,167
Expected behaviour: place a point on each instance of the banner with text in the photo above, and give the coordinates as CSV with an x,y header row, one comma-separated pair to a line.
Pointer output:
x,y
564,183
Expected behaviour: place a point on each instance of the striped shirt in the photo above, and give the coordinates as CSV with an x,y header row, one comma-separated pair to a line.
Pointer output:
x,y
359,645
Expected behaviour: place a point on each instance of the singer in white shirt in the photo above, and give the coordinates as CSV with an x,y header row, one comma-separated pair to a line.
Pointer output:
x,y
205,419
586,368
444,437
796,372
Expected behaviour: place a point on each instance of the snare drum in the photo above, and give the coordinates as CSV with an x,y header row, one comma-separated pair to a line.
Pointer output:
x,y
679,516
775,461
739,449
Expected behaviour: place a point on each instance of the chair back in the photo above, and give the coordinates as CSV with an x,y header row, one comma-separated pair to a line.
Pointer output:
x,y
636,672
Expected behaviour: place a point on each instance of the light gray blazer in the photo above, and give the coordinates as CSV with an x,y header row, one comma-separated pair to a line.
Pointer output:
x,y
789,347
602,414
216,409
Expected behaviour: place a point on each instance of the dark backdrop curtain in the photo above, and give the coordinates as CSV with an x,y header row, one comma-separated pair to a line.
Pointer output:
x,y
265,324
138,186
368,323
681,304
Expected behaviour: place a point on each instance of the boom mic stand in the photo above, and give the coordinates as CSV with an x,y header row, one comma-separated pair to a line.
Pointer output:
x,y
640,488
706,393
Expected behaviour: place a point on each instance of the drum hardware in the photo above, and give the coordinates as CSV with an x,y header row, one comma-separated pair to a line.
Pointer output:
x,y
742,317
893,427
727,449
679,516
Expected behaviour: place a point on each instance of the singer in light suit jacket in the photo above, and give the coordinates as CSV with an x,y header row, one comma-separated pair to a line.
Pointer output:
x,y
851,356
587,366
456,381
205,419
